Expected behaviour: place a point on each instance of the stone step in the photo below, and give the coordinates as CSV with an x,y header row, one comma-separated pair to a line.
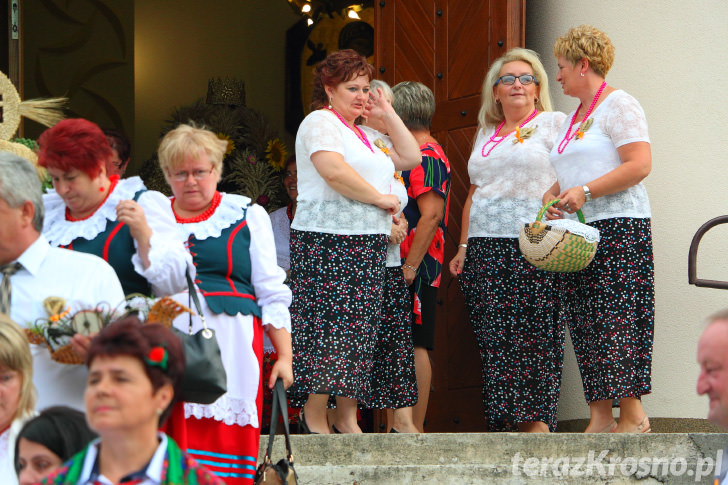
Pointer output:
x,y
503,458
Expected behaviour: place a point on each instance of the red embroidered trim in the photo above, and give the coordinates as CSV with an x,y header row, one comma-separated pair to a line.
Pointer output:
x,y
289,211
228,293
200,217
114,179
231,239
112,235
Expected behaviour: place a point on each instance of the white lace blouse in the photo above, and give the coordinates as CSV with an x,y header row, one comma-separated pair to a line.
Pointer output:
x,y
322,209
512,179
394,260
282,235
168,257
618,120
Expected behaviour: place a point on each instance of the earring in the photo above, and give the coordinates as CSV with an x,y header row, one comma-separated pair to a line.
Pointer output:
x,y
497,100
582,74
330,101
535,100
159,412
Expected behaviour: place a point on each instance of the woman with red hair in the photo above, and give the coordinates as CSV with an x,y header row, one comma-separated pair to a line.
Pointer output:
x,y
339,239
133,229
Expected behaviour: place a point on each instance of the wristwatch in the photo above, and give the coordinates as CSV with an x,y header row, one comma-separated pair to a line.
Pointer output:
x,y
587,193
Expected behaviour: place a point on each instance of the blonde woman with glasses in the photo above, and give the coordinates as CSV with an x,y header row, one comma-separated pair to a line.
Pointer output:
x,y
513,306
242,295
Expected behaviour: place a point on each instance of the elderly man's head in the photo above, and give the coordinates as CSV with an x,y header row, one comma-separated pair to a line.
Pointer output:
x,y
21,206
713,360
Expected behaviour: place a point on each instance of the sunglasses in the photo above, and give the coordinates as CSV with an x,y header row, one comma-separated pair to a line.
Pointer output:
x,y
510,79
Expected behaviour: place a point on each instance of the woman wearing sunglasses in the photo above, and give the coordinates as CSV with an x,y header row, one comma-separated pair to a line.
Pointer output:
x,y
601,156
512,305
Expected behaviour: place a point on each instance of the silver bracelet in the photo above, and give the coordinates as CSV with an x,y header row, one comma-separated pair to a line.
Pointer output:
x,y
405,265
463,245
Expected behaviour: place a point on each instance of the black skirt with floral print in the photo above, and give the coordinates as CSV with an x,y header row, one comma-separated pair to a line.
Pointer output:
x,y
337,283
514,310
394,384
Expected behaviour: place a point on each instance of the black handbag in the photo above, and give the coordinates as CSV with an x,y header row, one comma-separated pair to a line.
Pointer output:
x,y
205,378
282,472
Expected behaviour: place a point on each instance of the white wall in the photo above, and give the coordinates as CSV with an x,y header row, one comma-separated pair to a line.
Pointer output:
x,y
671,55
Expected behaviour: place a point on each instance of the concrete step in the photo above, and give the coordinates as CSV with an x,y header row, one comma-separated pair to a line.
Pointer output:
x,y
503,458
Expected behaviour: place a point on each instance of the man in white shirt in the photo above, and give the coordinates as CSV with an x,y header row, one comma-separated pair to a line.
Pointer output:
x,y
83,280
713,378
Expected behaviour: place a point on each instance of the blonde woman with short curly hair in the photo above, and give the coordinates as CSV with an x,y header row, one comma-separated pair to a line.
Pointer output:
x,y
190,139
601,156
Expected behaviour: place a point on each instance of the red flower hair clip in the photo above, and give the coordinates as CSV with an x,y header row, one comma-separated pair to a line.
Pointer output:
x,y
157,357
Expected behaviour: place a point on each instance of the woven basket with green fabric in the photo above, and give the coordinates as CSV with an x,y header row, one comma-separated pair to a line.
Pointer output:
x,y
560,245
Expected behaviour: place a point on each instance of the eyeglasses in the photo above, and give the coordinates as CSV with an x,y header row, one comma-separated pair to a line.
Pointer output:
x,y
510,79
197,175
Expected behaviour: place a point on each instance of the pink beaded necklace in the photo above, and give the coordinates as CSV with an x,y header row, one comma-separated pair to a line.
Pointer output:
x,y
355,129
568,137
492,139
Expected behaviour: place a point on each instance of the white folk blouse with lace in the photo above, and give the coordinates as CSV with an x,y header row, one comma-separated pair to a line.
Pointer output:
x,y
168,256
512,179
322,209
619,120
235,332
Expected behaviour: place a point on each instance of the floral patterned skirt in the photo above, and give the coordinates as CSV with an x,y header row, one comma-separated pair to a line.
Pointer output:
x,y
394,384
610,309
337,283
514,311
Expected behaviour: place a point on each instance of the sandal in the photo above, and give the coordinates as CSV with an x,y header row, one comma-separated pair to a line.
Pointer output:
x,y
302,426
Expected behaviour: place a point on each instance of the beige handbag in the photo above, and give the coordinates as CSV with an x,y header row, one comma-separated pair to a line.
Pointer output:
x,y
281,473
561,245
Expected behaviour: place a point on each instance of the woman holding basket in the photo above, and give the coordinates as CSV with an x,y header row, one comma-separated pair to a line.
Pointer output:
x,y
512,305
601,156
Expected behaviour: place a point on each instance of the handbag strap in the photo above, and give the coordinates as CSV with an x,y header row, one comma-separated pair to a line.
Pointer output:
x,y
193,294
543,210
279,406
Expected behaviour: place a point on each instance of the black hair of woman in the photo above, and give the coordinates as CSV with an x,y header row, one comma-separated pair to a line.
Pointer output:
x,y
61,429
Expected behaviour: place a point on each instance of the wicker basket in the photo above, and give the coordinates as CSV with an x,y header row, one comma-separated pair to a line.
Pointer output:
x,y
561,245
34,337
165,310
66,355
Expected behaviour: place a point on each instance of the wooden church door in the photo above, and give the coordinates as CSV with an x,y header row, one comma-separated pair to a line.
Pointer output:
x,y
448,45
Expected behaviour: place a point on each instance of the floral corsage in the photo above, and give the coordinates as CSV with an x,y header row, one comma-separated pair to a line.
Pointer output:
x,y
379,143
523,133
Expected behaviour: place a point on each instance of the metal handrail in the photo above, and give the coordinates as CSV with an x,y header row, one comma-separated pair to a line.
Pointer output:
x,y
693,256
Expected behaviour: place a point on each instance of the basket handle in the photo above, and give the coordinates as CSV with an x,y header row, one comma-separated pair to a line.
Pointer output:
x,y
553,202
